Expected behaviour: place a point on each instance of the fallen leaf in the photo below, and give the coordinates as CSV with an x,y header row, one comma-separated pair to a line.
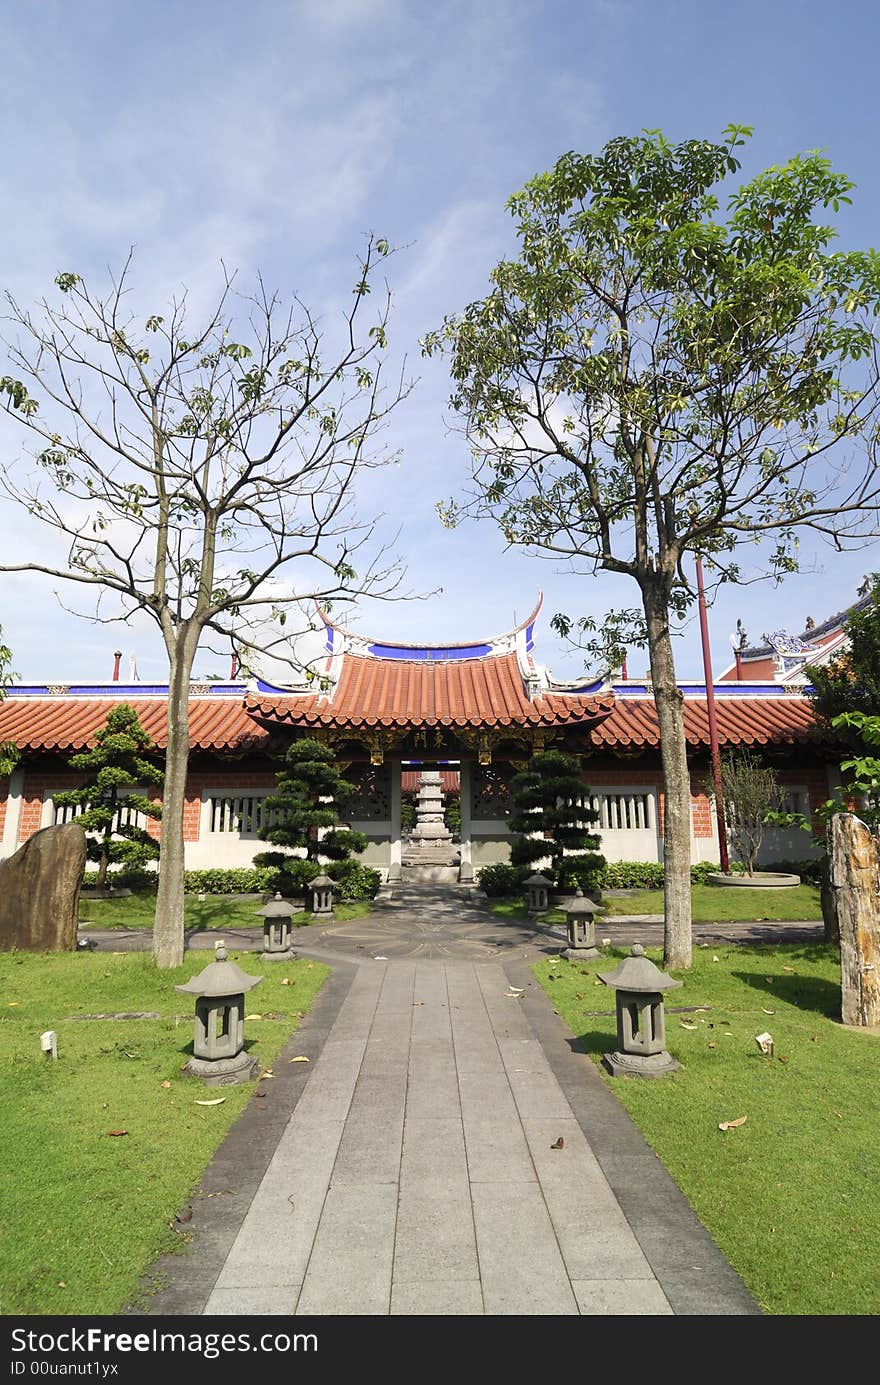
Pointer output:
x,y
61,1284
267,1073
417,1003
311,964
513,995
218,1101
765,1043
166,1085
782,1060
606,942
12,1003
185,1216
260,1093
253,1017
686,1024
117,1132
766,1011
375,959
285,980
518,990
558,1144
731,1125
814,1038
788,968
711,1045
300,1058
716,959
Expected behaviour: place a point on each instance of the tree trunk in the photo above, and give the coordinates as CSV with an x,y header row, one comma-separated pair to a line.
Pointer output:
x,y
103,863
168,930
676,782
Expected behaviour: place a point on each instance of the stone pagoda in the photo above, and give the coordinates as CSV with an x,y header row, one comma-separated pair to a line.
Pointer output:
x,y
430,853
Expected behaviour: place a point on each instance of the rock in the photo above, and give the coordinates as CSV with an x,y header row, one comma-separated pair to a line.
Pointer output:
x,y
39,891
855,882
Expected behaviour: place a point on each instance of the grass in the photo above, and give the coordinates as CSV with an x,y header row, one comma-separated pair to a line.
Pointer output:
x,y
711,904
215,911
83,1213
790,1196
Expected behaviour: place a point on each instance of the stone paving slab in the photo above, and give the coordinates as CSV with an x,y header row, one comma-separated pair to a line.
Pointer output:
x,y
414,1166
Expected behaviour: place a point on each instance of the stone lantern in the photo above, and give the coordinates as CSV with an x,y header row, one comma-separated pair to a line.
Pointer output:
x,y
581,929
276,916
322,894
641,1030
218,1044
537,898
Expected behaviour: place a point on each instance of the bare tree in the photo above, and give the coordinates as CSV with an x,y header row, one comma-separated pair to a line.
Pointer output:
x,y
650,378
203,475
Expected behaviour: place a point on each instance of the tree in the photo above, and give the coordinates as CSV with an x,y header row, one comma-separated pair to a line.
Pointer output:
x,y
118,760
752,793
551,816
188,468
851,682
651,378
305,810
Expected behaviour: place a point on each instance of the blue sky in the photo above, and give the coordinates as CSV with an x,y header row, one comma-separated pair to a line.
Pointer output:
x,y
274,135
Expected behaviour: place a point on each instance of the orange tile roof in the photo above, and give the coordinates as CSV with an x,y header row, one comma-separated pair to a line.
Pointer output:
x,y
70,723
387,693
450,780
467,693
784,720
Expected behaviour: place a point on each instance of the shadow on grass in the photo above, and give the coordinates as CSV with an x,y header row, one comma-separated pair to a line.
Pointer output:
x,y
811,993
595,1040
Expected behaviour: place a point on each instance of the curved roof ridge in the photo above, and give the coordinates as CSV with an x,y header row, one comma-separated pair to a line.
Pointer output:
x,y
486,645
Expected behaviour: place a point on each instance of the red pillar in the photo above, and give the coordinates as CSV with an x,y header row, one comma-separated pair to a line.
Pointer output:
x,y
714,748
117,655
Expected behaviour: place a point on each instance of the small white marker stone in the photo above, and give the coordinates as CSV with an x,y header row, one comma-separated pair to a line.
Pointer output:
x,y
49,1043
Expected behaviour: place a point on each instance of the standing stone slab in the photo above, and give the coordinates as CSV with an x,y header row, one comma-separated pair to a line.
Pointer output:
x,y
855,882
39,891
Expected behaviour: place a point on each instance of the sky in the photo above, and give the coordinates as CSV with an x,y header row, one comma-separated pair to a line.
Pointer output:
x,y
275,135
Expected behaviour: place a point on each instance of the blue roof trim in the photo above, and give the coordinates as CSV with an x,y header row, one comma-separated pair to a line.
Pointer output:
x,y
722,690
120,690
429,655
530,642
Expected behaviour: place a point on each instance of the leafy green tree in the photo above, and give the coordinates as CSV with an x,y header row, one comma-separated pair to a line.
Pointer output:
x,y
305,810
119,759
198,468
550,800
851,682
653,376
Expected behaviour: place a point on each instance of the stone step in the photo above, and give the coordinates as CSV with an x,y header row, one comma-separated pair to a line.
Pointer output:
x,y
428,875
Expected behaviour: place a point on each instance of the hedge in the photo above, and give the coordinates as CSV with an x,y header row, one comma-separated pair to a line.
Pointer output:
x,y
355,881
502,880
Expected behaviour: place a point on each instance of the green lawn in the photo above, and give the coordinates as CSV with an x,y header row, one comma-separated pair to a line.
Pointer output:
x,y
215,911
790,1196
711,904
83,1212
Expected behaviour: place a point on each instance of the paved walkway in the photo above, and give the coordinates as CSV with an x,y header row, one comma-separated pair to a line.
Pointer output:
x,y
446,1151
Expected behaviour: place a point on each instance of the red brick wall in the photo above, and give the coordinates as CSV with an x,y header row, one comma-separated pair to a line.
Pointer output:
x,y
36,784
241,780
